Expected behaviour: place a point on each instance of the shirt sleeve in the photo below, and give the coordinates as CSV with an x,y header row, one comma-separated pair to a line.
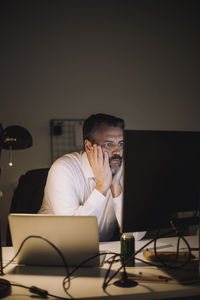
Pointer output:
x,y
62,196
117,205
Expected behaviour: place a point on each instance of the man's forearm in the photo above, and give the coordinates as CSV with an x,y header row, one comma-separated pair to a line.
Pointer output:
x,y
116,189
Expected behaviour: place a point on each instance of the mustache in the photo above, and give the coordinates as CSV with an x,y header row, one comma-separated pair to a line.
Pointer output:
x,y
116,156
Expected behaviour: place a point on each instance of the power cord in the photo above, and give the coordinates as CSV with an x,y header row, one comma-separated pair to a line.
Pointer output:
x,y
113,259
106,282
65,280
40,292
124,275
43,293
175,263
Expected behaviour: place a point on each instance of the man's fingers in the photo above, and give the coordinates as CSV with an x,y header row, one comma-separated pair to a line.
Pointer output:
x,y
99,162
95,155
106,159
99,154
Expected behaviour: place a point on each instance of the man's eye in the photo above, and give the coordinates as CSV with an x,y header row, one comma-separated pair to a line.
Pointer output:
x,y
121,144
108,145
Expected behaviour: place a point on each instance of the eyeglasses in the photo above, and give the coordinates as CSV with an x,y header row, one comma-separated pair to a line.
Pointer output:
x,y
112,146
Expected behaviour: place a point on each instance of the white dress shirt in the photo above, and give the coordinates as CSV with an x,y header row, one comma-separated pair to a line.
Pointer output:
x,y
70,190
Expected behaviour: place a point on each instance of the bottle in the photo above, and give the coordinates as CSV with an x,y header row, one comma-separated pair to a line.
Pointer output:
x,y
127,242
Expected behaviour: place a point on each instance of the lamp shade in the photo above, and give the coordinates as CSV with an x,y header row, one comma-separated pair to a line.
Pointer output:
x,y
16,137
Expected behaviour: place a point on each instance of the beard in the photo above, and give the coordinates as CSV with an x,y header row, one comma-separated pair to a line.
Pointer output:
x,y
115,163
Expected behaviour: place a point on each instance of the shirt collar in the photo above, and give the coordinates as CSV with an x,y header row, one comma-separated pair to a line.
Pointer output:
x,y
87,170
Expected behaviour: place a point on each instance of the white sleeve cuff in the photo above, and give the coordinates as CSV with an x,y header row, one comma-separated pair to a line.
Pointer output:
x,y
97,200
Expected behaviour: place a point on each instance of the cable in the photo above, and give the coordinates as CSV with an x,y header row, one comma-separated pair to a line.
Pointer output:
x,y
43,293
109,260
108,271
40,292
105,284
84,262
38,237
175,261
58,251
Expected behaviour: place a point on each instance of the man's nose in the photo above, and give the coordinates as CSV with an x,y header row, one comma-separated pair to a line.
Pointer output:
x,y
116,149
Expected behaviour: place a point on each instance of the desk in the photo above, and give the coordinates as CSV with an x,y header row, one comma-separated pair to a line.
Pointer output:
x,y
87,282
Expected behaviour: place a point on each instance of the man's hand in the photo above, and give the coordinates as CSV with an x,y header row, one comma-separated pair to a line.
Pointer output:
x,y
116,187
99,162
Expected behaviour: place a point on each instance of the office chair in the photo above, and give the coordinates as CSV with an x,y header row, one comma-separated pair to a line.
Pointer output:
x,y
28,195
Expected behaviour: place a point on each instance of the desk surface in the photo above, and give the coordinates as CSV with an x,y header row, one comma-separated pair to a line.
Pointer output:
x,y
87,282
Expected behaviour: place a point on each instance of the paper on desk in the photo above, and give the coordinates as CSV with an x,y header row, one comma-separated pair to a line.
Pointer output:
x,y
159,245
115,246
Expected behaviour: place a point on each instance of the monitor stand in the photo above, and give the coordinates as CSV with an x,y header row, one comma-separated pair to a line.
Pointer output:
x,y
125,281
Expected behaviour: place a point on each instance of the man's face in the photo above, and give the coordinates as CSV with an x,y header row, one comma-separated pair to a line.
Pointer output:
x,y
111,141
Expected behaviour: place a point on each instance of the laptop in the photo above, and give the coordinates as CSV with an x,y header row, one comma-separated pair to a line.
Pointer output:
x,y
75,236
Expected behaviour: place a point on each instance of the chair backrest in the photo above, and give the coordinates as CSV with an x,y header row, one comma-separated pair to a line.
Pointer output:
x,y
28,195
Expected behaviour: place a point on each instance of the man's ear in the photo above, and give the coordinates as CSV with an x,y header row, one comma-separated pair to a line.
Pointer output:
x,y
87,145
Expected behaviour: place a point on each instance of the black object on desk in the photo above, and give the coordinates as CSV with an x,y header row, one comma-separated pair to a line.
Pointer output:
x,y
5,288
161,179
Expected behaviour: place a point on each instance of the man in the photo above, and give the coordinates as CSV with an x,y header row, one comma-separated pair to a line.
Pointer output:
x,y
89,183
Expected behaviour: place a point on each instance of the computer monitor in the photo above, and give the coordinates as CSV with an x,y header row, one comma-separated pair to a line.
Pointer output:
x,y
161,177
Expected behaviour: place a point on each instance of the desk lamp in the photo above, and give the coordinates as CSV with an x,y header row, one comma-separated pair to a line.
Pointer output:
x,y
15,138
11,138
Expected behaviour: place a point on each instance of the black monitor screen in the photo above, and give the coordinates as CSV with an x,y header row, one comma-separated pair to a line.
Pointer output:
x,y
161,177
